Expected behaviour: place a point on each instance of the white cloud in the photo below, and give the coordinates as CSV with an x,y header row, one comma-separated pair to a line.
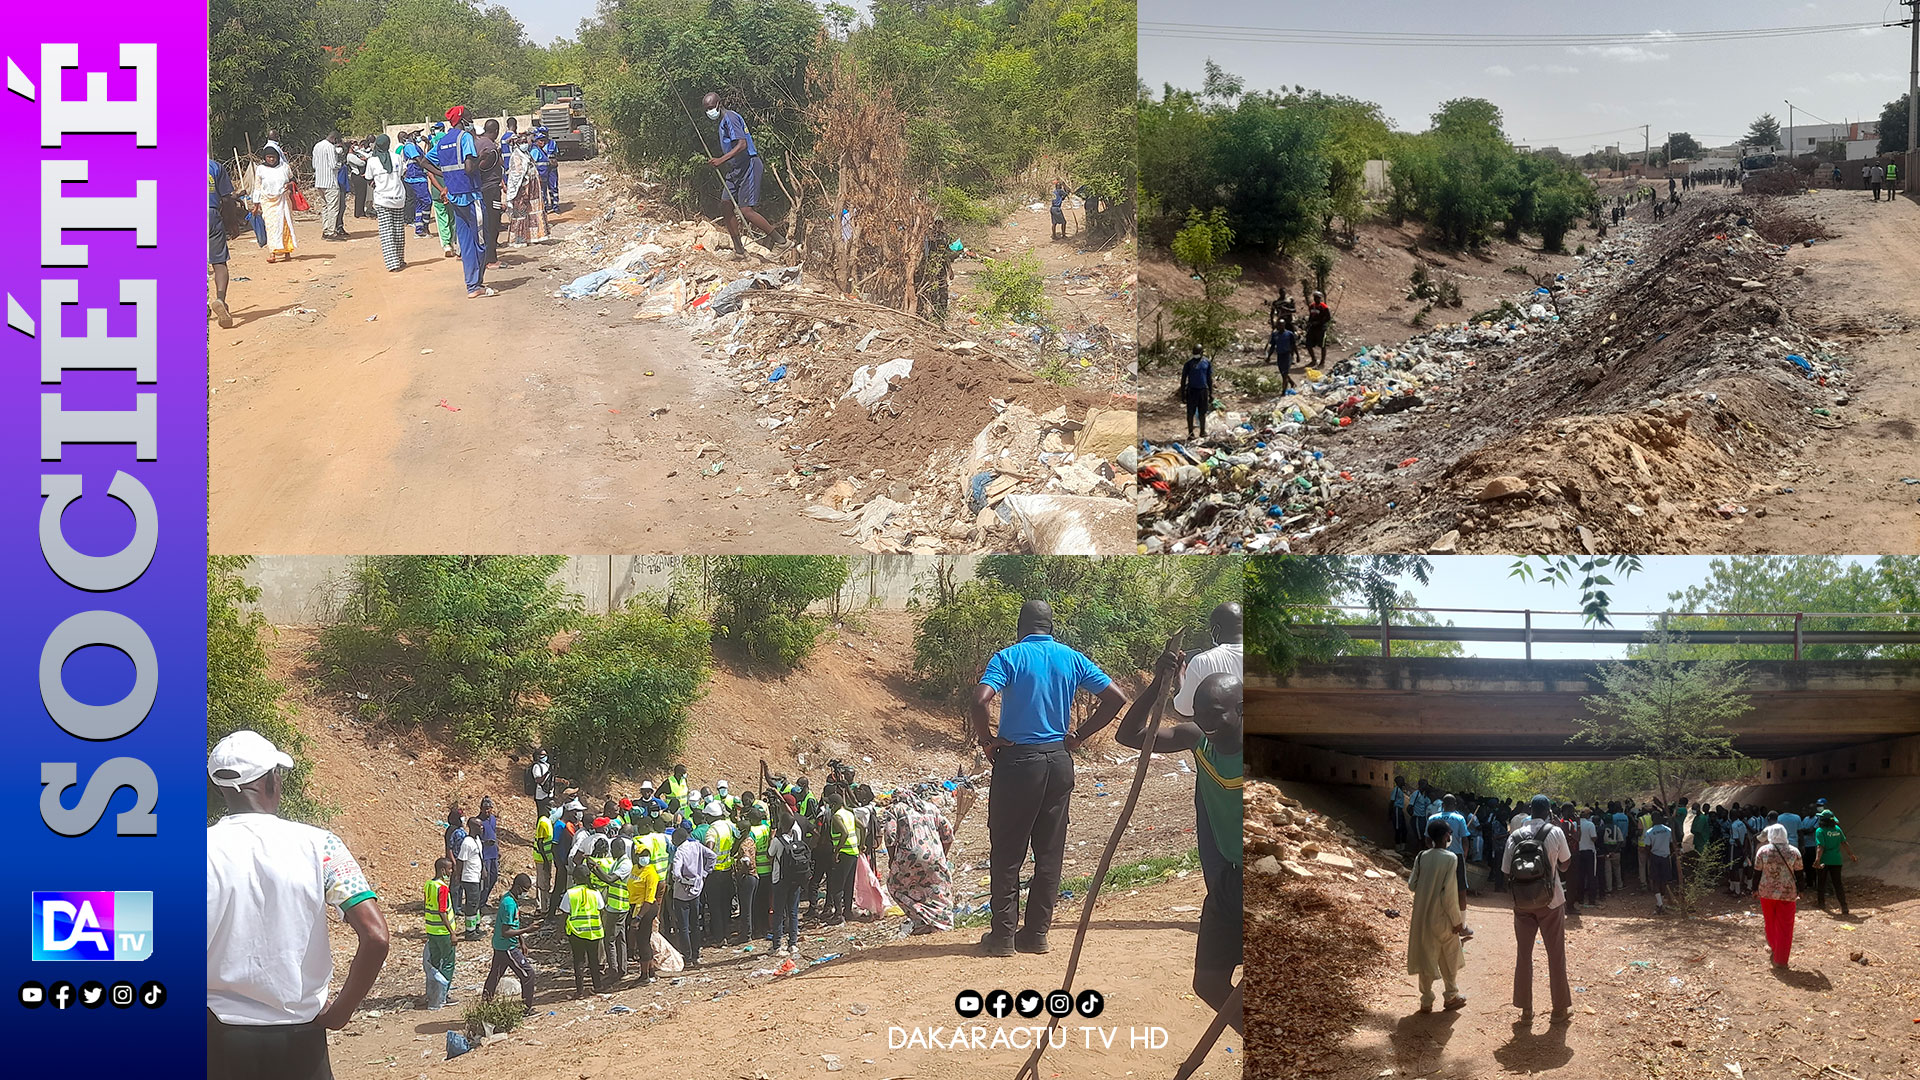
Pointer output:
x,y
1626,54
1554,69
1501,71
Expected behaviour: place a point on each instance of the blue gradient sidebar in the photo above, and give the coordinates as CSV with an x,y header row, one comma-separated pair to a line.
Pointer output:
x,y
103,514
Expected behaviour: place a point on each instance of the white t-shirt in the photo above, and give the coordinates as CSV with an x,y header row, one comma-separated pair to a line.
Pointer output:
x,y
389,188
584,840
1202,664
469,854
1587,834
541,771
1555,843
269,884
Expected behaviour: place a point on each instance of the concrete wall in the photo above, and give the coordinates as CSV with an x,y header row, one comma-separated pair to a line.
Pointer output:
x,y
311,590
1277,759
1881,814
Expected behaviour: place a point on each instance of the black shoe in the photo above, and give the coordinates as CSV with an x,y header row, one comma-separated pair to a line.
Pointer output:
x,y
993,945
1030,943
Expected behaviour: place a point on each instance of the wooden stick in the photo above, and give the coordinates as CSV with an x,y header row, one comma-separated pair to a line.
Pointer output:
x,y
1212,1035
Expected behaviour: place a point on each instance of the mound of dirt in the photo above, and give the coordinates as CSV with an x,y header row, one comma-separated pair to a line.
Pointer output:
x,y
1641,398
1313,899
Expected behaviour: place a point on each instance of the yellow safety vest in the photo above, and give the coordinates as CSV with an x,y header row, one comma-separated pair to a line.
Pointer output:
x,y
583,914
675,789
656,845
614,891
720,837
730,802
436,922
762,849
849,831
543,840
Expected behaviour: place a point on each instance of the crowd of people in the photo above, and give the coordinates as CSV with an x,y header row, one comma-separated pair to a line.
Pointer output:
x,y
1552,858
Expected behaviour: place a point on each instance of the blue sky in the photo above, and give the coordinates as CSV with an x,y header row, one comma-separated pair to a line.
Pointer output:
x,y
1482,581
1555,95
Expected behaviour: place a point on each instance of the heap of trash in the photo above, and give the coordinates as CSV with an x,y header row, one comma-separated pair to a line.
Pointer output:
x,y
913,437
1633,398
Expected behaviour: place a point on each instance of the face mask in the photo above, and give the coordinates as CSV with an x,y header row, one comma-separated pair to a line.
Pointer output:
x,y
713,114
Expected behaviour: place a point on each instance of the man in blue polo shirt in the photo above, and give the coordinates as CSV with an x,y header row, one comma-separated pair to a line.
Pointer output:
x,y
1036,679
739,165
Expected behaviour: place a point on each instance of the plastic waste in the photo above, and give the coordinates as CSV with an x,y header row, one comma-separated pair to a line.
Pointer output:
x,y
456,1044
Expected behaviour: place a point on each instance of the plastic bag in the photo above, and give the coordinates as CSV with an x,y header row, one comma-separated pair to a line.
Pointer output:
x,y
456,1044
869,898
665,956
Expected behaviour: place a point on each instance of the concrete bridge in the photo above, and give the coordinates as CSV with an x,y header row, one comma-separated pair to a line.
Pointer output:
x,y
1452,709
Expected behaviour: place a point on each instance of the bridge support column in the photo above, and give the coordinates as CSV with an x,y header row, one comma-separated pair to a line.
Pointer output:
x,y
1280,759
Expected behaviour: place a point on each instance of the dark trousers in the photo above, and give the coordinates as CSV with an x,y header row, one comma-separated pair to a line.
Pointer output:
x,y
586,956
687,925
1027,809
282,1051
786,914
719,898
763,906
1218,949
420,209
1589,877
822,862
514,959
1197,414
840,886
640,939
489,877
359,196
747,886
1824,874
491,223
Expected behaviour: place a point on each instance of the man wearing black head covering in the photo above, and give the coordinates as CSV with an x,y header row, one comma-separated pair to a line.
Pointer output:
x,y
1036,679
1214,733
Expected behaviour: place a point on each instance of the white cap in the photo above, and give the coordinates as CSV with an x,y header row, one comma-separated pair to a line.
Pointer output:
x,y
575,805
243,757
646,785
714,809
723,785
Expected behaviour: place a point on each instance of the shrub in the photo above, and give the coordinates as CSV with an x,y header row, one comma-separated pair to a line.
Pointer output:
x,y
762,600
1058,371
1203,245
959,208
1253,382
485,1018
1015,288
242,695
622,693
454,638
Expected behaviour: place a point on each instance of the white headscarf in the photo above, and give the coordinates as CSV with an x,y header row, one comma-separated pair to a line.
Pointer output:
x,y
1776,834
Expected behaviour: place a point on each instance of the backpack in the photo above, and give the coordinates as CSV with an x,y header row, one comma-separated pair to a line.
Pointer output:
x,y
1614,838
1531,875
796,860
526,788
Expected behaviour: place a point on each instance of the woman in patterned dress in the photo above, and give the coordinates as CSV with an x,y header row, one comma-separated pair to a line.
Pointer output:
x,y
918,873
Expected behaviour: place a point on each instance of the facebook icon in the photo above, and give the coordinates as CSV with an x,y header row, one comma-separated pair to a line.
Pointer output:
x,y
92,925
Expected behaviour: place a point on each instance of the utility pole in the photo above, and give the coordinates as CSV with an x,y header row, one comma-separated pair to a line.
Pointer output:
x,y
1789,105
1646,131
1913,89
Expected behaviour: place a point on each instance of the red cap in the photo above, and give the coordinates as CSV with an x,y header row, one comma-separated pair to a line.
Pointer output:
x,y
600,822
626,804
454,114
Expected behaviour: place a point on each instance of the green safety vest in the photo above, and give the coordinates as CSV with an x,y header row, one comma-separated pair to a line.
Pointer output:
x,y
615,891
583,916
762,849
806,806
436,922
543,841
730,802
675,789
849,832
720,837
1893,170
656,845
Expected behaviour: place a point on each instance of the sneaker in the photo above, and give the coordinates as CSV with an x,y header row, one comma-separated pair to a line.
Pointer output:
x,y
994,945
780,952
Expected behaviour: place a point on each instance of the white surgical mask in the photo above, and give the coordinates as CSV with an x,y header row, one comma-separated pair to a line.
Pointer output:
x,y
713,114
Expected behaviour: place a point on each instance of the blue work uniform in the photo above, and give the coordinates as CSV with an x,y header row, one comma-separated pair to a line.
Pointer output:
x,y
743,173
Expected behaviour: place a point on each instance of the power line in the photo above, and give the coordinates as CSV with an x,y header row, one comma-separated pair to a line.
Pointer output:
x,y
1400,39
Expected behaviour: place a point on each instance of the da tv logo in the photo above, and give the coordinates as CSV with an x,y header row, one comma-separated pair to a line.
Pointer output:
x,y
92,925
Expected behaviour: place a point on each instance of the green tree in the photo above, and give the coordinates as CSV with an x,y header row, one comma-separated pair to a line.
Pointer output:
x,y
1814,583
1203,246
1278,586
1591,572
1274,167
1893,126
761,604
1401,616
459,640
1682,145
1764,132
243,695
418,57
622,695
264,68
1667,713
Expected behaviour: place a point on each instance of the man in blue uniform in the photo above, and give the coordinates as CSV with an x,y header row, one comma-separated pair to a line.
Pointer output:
x,y
455,160
739,165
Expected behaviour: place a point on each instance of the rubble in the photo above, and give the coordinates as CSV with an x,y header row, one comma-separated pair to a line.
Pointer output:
x,y
1615,407
914,436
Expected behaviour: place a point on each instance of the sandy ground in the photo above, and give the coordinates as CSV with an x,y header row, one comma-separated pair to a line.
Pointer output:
x,y
1849,484
1655,996
390,787
357,410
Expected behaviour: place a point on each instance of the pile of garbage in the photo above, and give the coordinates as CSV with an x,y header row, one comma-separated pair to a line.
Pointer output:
x,y
1634,398
914,437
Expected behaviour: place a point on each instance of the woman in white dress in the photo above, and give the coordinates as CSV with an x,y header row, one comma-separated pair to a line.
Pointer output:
x,y
273,198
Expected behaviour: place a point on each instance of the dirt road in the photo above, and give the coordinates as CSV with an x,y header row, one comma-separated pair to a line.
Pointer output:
x,y
1850,484
357,410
